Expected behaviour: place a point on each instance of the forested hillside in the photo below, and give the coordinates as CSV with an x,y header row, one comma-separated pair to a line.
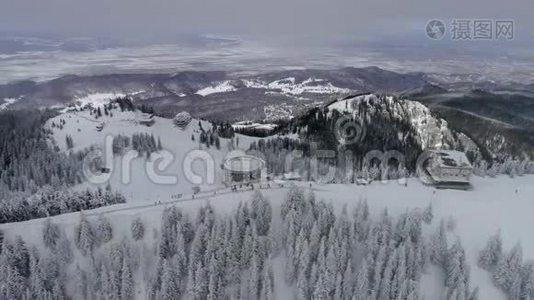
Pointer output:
x,y
35,175
324,254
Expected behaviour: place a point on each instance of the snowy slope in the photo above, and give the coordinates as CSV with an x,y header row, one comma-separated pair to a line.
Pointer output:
x,y
221,87
286,86
178,143
96,99
7,102
289,86
492,205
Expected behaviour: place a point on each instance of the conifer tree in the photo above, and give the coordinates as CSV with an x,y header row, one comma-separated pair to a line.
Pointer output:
x,y
491,254
51,234
104,229
84,236
138,229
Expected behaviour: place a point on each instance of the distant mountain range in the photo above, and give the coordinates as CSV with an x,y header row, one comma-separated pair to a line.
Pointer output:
x,y
218,94
498,116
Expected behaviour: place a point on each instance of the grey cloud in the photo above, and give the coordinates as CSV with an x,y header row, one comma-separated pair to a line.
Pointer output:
x,y
293,18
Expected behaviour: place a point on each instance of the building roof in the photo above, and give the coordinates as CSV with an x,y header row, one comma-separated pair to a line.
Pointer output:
x,y
451,159
243,164
182,119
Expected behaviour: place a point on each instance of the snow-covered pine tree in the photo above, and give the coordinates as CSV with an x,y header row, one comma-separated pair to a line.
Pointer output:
x,y
321,289
438,245
387,276
80,283
427,214
267,288
51,234
214,279
247,248
138,229
84,236
399,282
457,273
64,249
104,230
169,288
261,212
527,281
349,281
127,282
254,279
509,265
492,252
180,257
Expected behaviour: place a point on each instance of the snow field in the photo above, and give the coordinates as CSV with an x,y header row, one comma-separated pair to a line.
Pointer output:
x,y
493,205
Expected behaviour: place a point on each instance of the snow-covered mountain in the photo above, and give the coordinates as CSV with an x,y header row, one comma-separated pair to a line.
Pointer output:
x,y
499,120
368,122
432,132
243,96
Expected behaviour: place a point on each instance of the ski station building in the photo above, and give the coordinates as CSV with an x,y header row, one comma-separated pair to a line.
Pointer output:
x,y
243,169
449,169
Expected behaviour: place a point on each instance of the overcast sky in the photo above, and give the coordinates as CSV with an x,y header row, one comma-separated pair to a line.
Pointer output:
x,y
319,19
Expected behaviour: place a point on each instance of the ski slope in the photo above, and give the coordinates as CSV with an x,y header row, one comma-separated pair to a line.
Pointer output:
x,y
176,142
492,205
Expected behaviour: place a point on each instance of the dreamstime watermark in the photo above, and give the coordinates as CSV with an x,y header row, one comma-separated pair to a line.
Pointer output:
x,y
471,29
100,164
422,163
200,167
349,131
